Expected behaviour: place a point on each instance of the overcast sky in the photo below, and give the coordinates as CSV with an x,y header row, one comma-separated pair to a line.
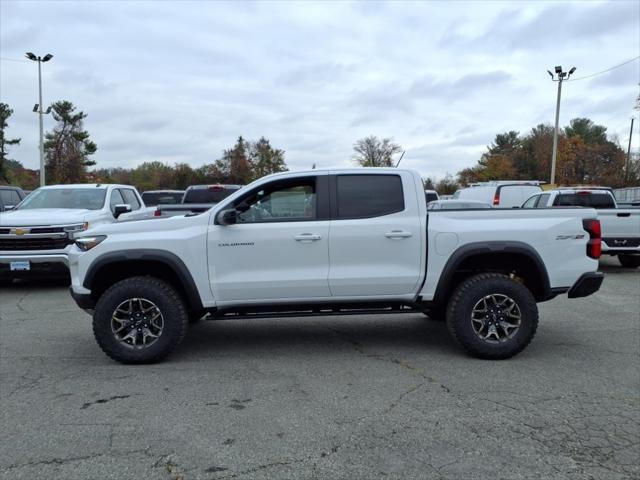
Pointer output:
x,y
179,81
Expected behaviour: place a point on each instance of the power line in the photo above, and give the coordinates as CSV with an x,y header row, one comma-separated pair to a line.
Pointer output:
x,y
605,71
13,60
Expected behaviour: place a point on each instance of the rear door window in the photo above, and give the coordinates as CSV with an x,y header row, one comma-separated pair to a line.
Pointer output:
x,y
365,196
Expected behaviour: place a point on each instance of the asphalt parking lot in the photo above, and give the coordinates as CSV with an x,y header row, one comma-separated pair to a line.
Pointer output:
x,y
327,398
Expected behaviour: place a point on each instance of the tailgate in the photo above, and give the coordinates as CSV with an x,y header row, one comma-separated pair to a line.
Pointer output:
x,y
620,222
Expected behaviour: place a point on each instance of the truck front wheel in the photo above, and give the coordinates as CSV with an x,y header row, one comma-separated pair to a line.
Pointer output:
x,y
629,261
139,320
492,316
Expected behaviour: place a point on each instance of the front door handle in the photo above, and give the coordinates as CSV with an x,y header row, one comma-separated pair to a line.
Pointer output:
x,y
623,214
307,237
398,234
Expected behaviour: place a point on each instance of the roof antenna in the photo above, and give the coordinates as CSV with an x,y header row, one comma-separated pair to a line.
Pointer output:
x,y
400,159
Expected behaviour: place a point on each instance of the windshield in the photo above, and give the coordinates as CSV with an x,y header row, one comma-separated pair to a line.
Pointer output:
x,y
79,198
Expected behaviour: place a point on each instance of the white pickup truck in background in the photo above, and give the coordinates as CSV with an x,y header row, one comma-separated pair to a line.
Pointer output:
x,y
333,242
620,226
36,234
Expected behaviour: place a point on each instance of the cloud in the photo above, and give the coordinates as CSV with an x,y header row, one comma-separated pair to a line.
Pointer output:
x,y
181,81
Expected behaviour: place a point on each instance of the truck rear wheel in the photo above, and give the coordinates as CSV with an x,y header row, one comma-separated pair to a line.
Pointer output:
x,y
492,316
139,320
629,261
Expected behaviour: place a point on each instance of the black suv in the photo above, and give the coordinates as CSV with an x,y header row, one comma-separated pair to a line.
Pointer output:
x,y
10,197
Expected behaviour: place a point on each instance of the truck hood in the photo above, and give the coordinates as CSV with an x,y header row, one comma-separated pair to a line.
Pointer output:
x,y
44,216
149,226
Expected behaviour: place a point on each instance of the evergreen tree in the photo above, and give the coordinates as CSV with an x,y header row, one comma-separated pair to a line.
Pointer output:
x,y
5,113
68,147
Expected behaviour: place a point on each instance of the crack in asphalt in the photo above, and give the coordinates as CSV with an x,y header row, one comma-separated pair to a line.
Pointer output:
x,y
103,400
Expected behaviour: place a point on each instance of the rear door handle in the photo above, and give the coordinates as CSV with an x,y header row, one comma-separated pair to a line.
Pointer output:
x,y
624,214
398,234
307,237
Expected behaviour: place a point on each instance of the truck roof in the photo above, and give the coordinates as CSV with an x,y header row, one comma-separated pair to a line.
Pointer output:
x,y
87,185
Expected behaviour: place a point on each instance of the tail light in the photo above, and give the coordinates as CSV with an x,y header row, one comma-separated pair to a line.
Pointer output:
x,y
594,245
496,198
216,188
157,213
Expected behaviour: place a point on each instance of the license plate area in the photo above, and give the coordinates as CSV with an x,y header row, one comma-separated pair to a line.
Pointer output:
x,y
20,266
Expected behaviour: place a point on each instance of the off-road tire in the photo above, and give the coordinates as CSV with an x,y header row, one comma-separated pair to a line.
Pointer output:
x,y
167,300
474,289
629,261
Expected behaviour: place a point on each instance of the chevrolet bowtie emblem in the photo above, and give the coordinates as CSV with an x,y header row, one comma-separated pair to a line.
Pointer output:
x,y
20,231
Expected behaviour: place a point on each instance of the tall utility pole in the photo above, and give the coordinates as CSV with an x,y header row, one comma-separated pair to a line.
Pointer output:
x,y
38,108
560,77
626,170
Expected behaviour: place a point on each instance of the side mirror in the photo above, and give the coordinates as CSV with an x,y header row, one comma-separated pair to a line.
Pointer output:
x,y
120,209
228,216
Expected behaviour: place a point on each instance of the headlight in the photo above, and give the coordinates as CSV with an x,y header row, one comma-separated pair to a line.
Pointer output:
x,y
87,243
76,228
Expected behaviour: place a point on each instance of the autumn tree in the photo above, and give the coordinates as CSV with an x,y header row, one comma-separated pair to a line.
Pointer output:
x,y
5,113
265,159
235,165
372,152
68,147
585,155
447,185
152,176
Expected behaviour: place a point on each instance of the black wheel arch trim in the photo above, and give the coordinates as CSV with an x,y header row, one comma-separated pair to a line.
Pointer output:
x,y
169,259
480,248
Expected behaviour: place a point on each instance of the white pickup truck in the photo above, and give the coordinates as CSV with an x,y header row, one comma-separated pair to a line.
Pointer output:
x,y
620,226
36,235
352,241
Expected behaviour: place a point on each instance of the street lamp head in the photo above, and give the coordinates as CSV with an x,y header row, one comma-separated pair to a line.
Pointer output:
x,y
31,56
47,57
550,74
35,107
558,69
48,110
573,69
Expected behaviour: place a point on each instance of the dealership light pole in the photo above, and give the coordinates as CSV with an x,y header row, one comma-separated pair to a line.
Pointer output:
x,y
38,107
559,77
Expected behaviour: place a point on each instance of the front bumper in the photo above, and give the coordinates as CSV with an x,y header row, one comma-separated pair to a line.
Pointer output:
x,y
587,284
40,264
6,258
83,300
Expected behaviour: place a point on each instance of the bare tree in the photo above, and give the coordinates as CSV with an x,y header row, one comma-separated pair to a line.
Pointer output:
x,y
372,152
